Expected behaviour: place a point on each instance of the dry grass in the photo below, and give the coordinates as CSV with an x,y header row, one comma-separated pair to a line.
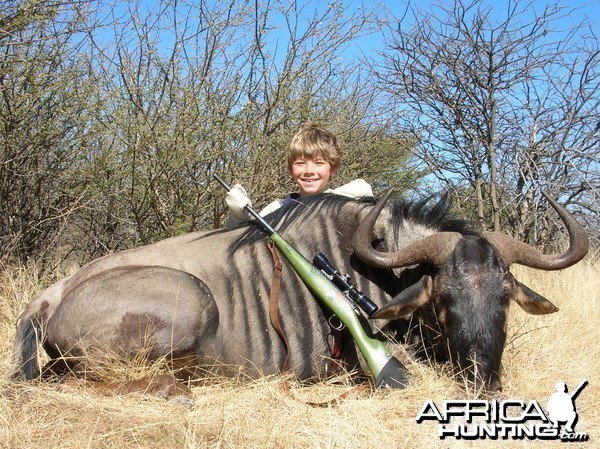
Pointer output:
x,y
229,414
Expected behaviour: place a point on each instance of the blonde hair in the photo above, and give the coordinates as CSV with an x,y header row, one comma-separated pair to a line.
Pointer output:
x,y
313,140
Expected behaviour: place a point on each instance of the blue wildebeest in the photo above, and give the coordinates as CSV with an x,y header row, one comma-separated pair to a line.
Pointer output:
x,y
202,297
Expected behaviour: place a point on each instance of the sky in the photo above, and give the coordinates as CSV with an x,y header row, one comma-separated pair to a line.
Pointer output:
x,y
386,10
582,8
589,7
578,11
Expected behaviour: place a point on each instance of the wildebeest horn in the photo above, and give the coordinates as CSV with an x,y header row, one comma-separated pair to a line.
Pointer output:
x,y
434,249
515,251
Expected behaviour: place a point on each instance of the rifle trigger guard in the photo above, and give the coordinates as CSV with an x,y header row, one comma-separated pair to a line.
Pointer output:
x,y
336,323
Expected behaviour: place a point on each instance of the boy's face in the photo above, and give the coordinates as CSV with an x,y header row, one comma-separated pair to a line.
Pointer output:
x,y
311,175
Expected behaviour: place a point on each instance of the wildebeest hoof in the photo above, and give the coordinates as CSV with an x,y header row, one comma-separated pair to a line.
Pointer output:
x,y
182,401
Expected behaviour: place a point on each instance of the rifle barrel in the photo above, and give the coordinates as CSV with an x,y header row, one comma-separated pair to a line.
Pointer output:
x,y
581,386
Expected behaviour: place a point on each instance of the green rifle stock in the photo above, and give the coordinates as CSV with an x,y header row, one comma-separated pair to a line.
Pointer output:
x,y
385,368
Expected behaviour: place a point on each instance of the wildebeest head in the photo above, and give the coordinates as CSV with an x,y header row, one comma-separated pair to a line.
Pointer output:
x,y
469,287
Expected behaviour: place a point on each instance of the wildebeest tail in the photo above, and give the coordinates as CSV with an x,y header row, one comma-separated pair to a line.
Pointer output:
x,y
27,343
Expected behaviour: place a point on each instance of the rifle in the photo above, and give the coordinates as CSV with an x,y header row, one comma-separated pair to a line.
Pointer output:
x,y
581,386
387,370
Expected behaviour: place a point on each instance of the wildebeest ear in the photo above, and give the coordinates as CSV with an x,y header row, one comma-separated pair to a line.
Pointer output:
x,y
407,301
532,302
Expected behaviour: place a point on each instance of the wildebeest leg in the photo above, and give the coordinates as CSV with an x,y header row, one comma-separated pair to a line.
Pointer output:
x,y
30,335
163,385
125,312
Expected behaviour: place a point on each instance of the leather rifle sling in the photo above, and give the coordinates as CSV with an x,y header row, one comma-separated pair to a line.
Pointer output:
x,y
274,318
273,300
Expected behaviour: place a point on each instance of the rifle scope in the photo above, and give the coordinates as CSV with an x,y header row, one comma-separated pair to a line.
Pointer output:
x,y
343,283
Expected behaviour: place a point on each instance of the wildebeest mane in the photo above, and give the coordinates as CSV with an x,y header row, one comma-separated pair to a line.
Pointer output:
x,y
432,212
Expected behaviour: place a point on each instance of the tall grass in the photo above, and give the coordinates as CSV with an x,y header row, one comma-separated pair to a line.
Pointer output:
x,y
541,350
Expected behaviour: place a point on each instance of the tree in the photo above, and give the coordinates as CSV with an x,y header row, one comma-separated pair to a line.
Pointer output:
x,y
500,107
224,92
42,105
114,115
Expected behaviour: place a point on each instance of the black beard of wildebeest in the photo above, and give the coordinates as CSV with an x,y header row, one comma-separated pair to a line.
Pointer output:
x,y
202,298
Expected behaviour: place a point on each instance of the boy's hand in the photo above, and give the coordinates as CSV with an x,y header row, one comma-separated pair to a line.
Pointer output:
x,y
237,199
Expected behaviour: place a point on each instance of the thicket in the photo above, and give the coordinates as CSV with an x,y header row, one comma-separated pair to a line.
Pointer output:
x,y
114,115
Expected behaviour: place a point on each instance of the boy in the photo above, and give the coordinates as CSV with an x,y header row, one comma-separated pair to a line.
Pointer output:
x,y
313,158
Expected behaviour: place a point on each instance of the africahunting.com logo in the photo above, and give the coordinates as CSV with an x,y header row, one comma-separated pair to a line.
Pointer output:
x,y
507,419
